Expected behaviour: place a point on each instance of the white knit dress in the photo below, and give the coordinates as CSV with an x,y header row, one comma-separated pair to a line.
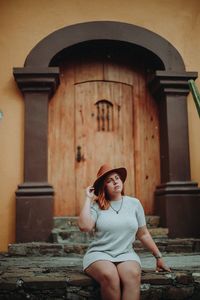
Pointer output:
x,y
115,233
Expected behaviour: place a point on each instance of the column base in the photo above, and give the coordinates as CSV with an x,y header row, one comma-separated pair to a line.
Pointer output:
x,y
178,205
34,212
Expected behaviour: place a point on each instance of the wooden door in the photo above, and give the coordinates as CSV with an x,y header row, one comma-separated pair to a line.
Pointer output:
x,y
104,132
93,91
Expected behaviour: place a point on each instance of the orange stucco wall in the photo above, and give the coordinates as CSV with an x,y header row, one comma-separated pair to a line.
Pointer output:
x,y
24,23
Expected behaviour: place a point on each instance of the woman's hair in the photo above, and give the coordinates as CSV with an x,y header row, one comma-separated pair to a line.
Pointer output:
x,y
103,196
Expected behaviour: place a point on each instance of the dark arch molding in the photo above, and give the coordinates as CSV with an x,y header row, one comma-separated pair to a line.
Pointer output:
x,y
42,54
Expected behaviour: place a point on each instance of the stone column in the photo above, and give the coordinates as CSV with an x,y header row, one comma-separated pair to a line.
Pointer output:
x,y
34,197
177,198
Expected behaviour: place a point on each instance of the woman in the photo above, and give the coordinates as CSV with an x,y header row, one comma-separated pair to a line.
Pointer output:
x,y
117,219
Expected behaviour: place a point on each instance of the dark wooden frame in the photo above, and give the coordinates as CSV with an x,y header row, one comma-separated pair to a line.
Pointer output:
x,y
177,198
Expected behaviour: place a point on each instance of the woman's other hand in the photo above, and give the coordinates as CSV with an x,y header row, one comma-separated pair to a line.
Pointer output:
x,y
161,266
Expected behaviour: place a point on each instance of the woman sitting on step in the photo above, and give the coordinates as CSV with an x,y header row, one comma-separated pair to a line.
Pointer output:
x,y
117,219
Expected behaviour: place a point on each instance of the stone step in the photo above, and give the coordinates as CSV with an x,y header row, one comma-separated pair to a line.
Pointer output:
x,y
65,222
152,221
75,235
78,249
50,249
55,278
74,285
159,232
66,230
64,236
178,245
71,222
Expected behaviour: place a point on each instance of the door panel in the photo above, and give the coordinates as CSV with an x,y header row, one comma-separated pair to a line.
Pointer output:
x,y
61,162
146,136
103,131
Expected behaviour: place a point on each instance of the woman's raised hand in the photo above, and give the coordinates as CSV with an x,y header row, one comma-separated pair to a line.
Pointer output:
x,y
89,192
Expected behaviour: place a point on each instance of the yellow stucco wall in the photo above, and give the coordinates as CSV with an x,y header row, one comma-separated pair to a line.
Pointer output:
x,y
23,23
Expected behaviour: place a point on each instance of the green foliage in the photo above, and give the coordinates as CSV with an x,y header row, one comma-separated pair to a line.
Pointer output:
x,y
195,94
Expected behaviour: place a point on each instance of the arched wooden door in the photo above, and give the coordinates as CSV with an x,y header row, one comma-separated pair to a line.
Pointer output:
x,y
102,112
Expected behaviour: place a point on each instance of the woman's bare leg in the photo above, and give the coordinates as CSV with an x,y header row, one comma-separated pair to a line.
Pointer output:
x,y
130,276
106,274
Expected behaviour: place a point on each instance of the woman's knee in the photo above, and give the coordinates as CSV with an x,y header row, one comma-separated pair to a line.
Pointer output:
x,y
135,273
110,277
130,274
104,273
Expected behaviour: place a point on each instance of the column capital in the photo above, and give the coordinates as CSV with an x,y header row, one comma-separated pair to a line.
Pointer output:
x,y
37,80
165,83
178,187
34,189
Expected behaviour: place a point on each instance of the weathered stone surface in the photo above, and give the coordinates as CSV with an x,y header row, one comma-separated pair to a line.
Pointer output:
x,y
180,245
56,281
74,248
196,277
159,231
71,235
71,222
153,293
171,245
8,285
152,221
66,230
50,277
196,245
184,278
64,249
79,279
37,248
65,222
17,249
156,278
179,292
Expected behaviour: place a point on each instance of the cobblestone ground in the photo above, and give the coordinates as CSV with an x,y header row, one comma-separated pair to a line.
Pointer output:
x,y
61,278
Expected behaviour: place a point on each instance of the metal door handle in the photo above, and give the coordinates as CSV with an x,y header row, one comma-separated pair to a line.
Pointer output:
x,y
78,154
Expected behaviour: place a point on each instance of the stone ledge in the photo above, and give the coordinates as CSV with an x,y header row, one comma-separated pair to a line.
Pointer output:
x,y
67,283
78,249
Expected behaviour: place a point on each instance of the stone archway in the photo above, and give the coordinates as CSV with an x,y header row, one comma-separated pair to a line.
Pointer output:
x,y
38,80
